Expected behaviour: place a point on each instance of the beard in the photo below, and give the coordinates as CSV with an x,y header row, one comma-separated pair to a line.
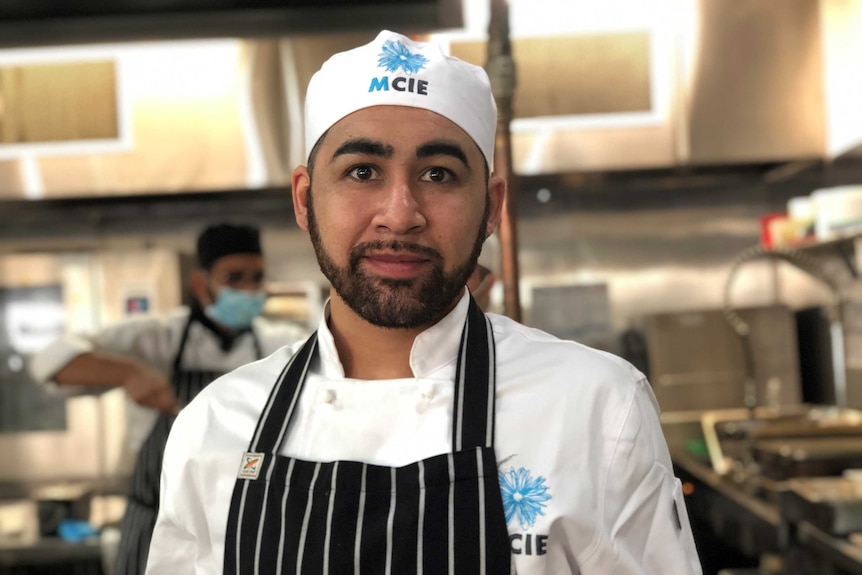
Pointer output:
x,y
396,303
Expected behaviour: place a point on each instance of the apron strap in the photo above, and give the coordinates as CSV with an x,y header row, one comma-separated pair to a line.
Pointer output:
x,y
276,416
179,356
257,349
475,377
475,382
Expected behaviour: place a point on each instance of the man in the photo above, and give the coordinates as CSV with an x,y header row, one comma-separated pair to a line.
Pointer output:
x,y
162,363
412,433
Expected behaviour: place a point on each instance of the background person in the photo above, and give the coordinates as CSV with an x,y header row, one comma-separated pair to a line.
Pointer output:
x,y
163,362
412,432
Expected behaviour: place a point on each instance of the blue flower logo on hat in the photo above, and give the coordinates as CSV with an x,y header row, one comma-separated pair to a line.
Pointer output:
x,y
395,56
524,497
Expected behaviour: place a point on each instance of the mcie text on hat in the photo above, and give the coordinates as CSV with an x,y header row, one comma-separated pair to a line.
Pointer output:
x,y
394,70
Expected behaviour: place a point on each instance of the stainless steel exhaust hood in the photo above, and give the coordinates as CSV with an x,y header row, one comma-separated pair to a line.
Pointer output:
x,y
733,83
49,23
743,82
696,82
689,83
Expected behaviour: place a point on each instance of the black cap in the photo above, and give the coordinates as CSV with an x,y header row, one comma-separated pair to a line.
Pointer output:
x,y
225,239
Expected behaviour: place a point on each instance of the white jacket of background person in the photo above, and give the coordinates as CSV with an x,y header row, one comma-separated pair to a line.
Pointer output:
x,y
155,341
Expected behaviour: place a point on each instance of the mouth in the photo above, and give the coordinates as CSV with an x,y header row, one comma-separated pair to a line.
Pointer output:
x,y
395,260
396,265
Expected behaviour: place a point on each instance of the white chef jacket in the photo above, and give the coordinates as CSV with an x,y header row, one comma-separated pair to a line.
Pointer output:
x,y
579,446
155,341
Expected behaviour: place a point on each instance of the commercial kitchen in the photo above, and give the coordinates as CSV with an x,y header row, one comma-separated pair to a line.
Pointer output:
x,y
685,181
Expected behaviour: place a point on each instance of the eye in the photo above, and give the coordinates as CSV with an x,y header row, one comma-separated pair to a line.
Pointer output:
x,y
237,277
437,175
362,173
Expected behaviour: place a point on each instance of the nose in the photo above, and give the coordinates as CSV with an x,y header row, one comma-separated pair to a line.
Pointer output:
x,y
400,212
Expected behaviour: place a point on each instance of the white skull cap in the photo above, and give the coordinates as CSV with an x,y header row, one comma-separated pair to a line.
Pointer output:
x,y
394,70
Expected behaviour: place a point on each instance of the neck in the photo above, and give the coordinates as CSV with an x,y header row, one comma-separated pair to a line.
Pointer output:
x,y
368,351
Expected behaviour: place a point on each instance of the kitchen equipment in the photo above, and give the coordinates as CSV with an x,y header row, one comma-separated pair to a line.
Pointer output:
x,y
780,443
787,458
60,502
837,212
834,504
18,522
696,361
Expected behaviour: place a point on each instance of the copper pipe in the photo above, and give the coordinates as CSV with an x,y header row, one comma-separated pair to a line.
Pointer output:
x,y
501,71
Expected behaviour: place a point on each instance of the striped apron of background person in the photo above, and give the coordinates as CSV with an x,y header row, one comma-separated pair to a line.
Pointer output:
x,y
143,503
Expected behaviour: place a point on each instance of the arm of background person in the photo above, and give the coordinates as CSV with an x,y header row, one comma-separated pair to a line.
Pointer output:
x,y
112,358
144,385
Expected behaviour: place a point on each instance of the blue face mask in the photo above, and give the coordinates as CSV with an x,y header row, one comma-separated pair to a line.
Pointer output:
x,y
235,308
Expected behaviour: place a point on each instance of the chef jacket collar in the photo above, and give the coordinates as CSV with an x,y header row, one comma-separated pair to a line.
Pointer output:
x,y
434,349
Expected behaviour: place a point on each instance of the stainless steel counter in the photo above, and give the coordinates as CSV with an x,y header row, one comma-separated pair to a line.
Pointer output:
x,y
23,554
755,525
50,555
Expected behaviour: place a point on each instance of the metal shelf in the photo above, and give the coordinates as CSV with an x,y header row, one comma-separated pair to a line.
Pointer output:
x,y
844,248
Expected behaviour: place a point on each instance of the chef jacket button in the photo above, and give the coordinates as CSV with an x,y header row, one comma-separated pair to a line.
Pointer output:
x,y
328,396
429,391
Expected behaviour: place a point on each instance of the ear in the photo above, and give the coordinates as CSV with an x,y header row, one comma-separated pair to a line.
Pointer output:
x,y
497,199
300,184
198,287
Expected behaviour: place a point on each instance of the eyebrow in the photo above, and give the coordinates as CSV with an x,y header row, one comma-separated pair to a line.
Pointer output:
x,y
364,146
442,148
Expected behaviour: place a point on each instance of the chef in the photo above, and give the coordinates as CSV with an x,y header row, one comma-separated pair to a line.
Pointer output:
x,y
163,362
412,433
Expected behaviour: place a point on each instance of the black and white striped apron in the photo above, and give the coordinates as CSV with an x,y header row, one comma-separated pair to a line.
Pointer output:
x,y
143,502
439,515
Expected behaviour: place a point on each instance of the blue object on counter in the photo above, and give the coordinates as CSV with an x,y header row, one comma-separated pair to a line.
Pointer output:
x,y
75,530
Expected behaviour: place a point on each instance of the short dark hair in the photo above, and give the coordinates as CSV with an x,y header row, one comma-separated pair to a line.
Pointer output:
x,y
224,239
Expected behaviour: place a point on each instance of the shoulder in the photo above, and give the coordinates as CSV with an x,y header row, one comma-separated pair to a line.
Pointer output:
x,y
588,391
226,411
563,364
153,324
274,334
218,424
596,393
138,333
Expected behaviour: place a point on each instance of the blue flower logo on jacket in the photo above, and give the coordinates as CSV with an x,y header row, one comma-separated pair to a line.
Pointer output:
x,y
395,55
524,497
